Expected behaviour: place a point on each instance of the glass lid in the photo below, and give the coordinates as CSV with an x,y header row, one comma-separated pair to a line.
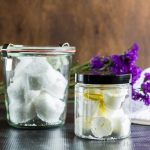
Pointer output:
x,y
15,50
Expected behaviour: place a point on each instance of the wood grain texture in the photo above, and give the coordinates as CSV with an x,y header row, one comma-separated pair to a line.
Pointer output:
x,y
93,26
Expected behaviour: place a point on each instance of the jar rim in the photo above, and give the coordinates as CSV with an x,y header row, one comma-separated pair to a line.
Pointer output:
x,y
13,50
102,79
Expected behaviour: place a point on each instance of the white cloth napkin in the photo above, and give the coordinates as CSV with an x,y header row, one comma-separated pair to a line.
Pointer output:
x,y
139,113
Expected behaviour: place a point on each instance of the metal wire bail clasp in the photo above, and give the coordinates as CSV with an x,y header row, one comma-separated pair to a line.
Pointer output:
x,y
64,44
4,50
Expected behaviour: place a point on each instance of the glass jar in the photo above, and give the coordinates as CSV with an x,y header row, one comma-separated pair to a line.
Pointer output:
x,y
99,106
36,80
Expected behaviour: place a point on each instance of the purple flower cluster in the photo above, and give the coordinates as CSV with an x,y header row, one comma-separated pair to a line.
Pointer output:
x,y
96,62
136,72
99,64
120,64
145,91
146,87
147,76
136,95
132,55
125,64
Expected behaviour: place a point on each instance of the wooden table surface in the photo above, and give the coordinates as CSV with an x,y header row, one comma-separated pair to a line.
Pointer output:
x,y
63,138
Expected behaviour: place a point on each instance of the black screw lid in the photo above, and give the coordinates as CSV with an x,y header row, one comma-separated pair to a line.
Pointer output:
x,y
102,79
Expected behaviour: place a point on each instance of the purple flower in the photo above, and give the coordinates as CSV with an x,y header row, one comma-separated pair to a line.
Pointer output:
x,y
145,95
146,99
118,65
136,73
132,54
135,47
146,87
96,62
147,76
106,60
136,95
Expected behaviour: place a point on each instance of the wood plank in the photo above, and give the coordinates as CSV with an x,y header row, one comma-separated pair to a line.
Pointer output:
x,y
99,26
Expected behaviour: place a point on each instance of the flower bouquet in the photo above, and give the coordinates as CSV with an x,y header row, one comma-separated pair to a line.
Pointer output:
x,y
118,65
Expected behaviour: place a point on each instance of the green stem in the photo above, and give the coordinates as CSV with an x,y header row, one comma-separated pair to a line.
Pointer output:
x,y
106,66
78,67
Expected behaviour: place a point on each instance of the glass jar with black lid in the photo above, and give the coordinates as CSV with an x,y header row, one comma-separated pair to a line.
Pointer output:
x,y
99,106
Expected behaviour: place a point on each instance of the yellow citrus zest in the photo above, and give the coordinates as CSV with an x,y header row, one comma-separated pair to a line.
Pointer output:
x,y
96,97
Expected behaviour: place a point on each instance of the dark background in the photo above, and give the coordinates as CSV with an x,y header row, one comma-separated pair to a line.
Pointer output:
x,y
93,26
